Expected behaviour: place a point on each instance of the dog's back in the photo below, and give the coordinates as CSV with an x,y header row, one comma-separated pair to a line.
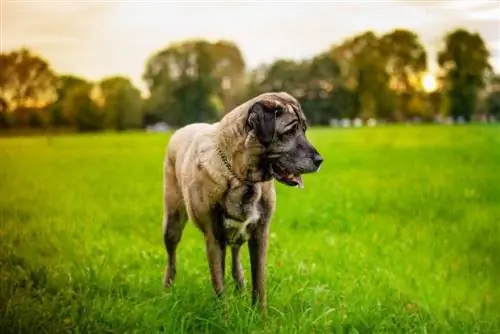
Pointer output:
x,y
182,140
184,137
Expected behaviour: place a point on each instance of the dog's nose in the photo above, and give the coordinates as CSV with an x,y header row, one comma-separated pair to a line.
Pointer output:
x,y
317,160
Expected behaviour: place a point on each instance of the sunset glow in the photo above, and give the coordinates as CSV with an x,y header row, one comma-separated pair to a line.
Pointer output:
x,y
429,82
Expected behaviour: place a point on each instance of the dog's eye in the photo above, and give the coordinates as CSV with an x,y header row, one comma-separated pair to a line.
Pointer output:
x,y
291,130
294,128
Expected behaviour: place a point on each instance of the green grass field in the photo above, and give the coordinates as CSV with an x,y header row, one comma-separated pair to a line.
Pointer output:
x,y
398,232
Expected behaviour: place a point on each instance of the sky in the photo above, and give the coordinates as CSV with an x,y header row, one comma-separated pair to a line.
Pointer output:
x,y
98,38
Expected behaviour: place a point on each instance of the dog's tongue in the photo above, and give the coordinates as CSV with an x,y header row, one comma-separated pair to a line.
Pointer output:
x,y
298,178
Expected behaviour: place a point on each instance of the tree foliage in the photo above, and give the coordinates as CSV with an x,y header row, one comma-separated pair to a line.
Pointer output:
x,y
493,98
464,61
121,103
65,84
191,81
365,75
363,71
26,80
405,61
79,107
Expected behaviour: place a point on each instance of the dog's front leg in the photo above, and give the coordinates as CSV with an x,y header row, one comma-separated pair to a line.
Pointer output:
x,y
237,269
257,246
216,256
210,222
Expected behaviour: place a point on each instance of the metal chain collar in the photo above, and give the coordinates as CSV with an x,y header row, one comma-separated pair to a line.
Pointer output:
x,y
228,165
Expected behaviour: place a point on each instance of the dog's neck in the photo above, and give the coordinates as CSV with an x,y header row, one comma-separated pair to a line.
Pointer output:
x,y
227,163
233,145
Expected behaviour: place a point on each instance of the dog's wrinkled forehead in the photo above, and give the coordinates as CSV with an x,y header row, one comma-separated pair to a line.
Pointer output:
x,y
290,107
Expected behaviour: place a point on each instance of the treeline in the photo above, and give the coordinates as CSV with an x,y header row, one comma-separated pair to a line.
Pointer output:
x,y
32,95
365,76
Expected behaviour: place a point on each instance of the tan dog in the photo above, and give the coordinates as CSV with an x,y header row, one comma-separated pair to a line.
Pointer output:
x,y
220,176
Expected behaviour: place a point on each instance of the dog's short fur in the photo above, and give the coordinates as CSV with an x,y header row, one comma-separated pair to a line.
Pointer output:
x,y
220,176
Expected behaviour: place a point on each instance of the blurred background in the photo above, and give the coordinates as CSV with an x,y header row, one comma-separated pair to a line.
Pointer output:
x,y
155,65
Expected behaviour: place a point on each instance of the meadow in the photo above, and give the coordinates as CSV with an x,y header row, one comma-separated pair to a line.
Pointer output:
x,y
398,232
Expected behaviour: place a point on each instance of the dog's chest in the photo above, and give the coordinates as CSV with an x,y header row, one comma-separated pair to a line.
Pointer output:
x,y
242,212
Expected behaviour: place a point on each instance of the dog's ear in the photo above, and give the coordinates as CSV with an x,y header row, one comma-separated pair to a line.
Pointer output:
x,y
262,121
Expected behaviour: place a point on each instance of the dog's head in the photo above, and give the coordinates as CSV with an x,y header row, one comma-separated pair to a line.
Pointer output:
x,y
279,124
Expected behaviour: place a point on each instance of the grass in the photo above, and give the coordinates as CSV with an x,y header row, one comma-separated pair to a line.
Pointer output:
x,y
398,232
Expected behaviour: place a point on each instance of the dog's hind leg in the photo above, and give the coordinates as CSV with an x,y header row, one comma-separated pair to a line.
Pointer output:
x,y
174,226
174,221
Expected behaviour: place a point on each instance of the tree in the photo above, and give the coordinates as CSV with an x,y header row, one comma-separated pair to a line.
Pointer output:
x,y
79,107
230,73
493,104
493,98
405,62
121,103
5,121
363,71
193,80
326,96
26,80
315,82
464,63
282,75
65,83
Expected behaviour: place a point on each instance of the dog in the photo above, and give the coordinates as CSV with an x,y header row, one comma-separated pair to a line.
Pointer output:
x,y
220,177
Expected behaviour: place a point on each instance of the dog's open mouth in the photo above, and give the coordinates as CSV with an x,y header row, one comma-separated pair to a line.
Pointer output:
x,y
285,177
